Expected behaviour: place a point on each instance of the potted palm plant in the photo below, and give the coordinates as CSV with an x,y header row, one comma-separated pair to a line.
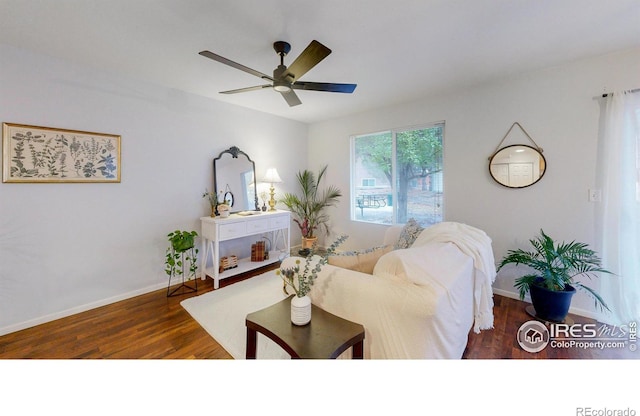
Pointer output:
x,y
553,284
310,206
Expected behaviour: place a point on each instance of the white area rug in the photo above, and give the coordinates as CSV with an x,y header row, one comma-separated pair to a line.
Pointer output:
x,y
222,313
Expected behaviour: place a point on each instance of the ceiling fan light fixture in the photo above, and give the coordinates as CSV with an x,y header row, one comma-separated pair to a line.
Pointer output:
x,y
281,86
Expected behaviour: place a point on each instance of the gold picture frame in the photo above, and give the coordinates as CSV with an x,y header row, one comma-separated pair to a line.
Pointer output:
x,y
35,154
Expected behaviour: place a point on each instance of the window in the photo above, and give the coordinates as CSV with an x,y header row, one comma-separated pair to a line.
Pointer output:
x,y
397,175
368,182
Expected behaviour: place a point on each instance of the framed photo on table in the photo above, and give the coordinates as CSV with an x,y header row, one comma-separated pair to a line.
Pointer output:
x,y
32,154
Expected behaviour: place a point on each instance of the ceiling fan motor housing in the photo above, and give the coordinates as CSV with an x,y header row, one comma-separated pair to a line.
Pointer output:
x,y
280,82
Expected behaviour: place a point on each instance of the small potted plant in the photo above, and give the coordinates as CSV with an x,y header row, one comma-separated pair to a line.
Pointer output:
x,y
180,252
302,280
213,201
310,206
553,284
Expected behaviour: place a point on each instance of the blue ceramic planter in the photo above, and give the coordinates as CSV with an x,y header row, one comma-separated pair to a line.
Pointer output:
x,y
551,305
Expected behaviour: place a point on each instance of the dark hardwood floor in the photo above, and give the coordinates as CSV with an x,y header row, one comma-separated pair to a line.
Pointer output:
x,y
153,326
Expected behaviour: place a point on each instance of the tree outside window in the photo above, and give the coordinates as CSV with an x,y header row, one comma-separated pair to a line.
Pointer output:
x,y
407,167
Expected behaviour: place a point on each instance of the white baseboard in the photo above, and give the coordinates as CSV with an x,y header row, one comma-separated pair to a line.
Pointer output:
x,y
505,293
575,311
78,309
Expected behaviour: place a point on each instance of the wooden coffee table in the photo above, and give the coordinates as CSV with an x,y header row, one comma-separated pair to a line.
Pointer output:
x,y
326,336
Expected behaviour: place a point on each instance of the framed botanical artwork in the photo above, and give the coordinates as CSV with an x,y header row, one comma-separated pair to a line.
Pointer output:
x,y
43,154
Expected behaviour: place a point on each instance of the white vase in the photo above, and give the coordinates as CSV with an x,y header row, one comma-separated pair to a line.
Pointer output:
x,y
300,310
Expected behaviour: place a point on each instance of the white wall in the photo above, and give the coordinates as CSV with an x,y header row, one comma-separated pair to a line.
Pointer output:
x,y
555,106
65,248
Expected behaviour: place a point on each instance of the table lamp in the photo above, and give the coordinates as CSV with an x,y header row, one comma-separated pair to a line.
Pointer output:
x,y
272,177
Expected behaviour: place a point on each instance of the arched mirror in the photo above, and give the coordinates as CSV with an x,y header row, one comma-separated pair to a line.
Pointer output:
x,y
517,166
234,180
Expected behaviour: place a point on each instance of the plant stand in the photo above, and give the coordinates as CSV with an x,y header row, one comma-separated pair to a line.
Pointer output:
x,y
179,272
180,253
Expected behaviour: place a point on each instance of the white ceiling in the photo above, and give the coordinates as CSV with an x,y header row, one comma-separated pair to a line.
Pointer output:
x,y
395,50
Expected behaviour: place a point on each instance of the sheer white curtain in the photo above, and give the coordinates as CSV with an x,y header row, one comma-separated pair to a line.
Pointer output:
x,y
619,213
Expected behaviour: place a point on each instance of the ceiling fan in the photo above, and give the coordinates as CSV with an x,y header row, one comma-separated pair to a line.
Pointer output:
x,y
286,79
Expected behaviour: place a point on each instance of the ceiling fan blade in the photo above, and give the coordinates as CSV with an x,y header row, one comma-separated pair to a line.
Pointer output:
x,y
291,98
235,65
257,87
324,86
310,57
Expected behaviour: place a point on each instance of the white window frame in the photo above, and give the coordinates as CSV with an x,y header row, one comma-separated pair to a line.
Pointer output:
x,y
394,132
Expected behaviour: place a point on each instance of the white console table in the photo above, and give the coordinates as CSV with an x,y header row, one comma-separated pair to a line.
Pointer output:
x,y
217,230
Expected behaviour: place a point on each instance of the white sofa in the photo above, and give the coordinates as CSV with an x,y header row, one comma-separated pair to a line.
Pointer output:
x,y
419,302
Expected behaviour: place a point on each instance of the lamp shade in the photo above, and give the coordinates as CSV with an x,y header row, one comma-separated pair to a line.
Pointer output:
x,y
272,176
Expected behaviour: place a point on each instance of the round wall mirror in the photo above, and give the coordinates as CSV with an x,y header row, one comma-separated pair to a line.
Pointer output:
x,y
517,166
228,197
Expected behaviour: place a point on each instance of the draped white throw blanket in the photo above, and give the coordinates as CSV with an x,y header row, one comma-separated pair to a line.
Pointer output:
x,y
476,244
418,304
